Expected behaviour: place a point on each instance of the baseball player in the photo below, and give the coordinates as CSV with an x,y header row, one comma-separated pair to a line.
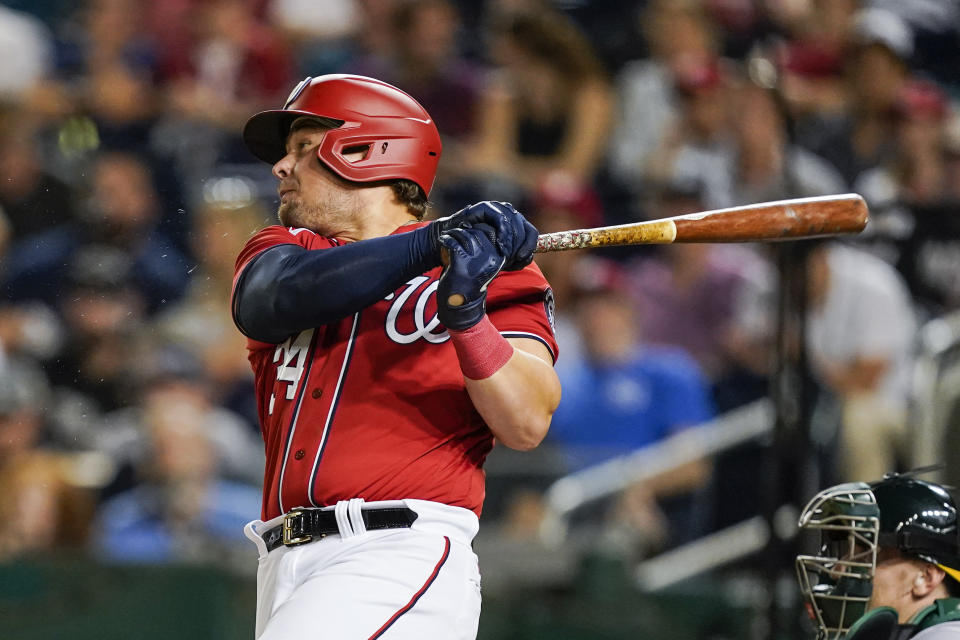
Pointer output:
x,y
388,353
889,563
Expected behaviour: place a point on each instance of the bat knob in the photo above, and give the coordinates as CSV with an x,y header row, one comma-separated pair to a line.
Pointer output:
x,y
456,299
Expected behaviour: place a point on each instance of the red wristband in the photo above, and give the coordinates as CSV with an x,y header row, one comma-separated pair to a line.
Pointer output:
x,y
481,349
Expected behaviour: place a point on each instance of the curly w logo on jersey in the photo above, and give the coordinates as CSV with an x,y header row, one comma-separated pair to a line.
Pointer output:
x,y
413,313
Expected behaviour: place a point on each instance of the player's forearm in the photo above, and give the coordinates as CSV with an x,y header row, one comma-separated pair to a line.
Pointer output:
x,y
288,289
518,401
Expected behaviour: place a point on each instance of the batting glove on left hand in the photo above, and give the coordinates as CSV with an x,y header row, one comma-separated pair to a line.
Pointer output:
x,y
513,235
474,262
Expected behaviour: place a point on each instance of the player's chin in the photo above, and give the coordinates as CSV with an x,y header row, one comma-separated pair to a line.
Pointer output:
x,y
287,213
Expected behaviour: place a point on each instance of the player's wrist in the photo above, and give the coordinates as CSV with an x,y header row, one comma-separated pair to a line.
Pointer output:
x,y
481,350
463,317
426,245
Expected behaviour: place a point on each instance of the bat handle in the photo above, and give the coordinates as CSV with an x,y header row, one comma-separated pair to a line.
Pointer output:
x,y
564,240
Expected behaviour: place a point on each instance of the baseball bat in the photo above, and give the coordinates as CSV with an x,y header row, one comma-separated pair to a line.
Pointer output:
x,y
779,220
794,219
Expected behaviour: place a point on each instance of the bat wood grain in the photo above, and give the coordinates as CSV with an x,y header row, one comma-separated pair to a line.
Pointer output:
x,y
768,221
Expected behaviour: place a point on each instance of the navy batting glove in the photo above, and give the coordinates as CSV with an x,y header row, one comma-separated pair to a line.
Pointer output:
x,y
473,262
515,237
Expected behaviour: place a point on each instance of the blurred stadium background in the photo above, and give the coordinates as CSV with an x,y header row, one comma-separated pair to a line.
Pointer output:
x,y
708,390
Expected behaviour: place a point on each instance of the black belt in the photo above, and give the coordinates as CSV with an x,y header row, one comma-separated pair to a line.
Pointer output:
x,y
305,525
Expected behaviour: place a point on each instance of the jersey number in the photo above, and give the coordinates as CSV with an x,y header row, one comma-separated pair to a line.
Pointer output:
x,y
292,356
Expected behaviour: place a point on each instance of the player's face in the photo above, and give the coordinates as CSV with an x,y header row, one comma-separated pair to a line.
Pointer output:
x,y
311,196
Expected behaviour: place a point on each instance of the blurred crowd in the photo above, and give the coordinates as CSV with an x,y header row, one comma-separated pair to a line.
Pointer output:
x,y
127,423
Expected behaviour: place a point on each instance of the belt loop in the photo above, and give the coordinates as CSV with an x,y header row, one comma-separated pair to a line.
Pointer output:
x,y
355,515
343,519
250,530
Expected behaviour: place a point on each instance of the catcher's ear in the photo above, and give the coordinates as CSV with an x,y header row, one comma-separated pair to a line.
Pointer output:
x,y
928,580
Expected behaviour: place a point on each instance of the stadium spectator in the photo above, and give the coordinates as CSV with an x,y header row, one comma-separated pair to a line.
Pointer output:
x,y
860,338
877,68
811,83
236,64
630,393
674,31
913,199
42,507
33,199
224,63
170,379
200,322
691,296
117,229
104,77
766,165
102,313
549,105
732,139
622,396
696,144
183,510
918,173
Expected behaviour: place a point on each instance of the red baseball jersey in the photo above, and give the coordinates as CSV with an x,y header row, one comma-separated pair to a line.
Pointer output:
x,y
374,406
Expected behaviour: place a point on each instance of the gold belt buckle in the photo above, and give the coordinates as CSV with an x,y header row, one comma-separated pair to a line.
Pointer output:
x,y
287,531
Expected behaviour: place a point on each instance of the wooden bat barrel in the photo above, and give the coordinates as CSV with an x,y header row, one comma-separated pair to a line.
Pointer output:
x,y
780,220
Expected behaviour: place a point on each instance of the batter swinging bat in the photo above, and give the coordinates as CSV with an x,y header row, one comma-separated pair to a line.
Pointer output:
x,y
778,220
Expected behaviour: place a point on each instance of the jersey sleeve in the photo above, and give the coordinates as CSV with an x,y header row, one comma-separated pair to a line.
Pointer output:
x,y
520,305
267,238
274,236
277,235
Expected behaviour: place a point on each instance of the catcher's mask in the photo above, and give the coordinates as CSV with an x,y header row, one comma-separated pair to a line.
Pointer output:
x,y
399,139
838,581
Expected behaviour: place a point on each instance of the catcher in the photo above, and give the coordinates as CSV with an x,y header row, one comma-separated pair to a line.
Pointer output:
x,y
889,561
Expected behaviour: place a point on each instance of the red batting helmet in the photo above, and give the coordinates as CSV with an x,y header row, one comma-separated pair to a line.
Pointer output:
x,y
401,138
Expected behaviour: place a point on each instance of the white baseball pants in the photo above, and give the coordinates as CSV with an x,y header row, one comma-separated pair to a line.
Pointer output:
x,y
421,582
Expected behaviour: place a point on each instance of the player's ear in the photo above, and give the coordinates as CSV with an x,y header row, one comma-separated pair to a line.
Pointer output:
x,y
929,578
